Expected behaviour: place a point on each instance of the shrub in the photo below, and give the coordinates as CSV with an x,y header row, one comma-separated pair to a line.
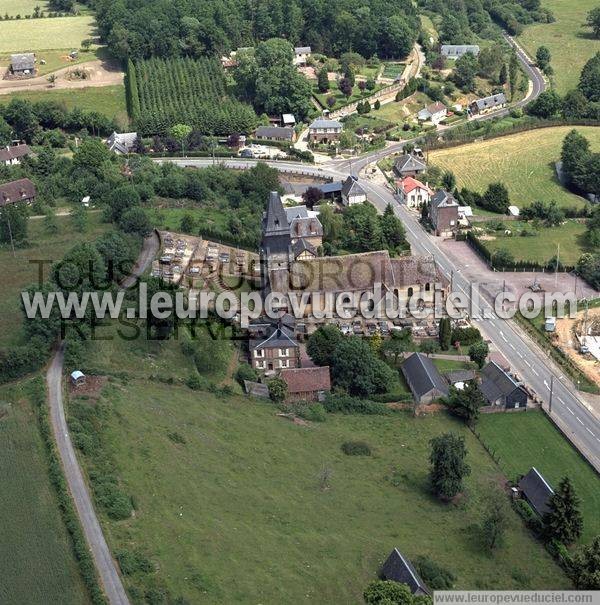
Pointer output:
x,y
346,404
315,412
433,574
246,372
117,504
356,448
133,562
532,521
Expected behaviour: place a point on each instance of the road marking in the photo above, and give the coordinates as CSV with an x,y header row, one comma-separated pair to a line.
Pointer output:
x,y
534,371
503,337
570,411
579,420
512,346
520,355
590,432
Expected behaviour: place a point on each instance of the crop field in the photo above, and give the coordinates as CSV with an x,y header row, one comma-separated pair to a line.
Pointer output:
x,y
165,92
37,563
12,8
570,44
524,162
530,439
20,271
231,504
542,247
44,34
109,100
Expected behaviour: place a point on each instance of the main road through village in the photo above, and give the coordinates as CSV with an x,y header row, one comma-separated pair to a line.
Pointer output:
x,y
569,411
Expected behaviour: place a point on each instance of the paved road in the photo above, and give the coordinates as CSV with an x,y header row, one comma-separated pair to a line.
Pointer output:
x,y
105,566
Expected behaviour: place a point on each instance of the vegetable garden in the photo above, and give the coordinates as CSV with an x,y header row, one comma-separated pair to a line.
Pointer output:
x,y
164,92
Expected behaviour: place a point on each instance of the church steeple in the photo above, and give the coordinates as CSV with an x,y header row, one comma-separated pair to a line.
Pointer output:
x,y
275,220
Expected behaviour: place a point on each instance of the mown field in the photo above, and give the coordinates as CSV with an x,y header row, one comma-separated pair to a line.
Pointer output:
x,y
109,100
570,44
525,440
42,34
524,162
37,563
542,247
21,270
13,8
231,507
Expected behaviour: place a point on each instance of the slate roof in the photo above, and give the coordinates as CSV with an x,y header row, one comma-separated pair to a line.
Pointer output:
x,y
14,152
302,245
490,102
306,227
307,380
281,336
443,199
496,382
457,50
302,50
22,61
422,376
399,569
322,123
122,142
334,187
351,187
537,491
408,163
14,191
275,132
293,212
275,221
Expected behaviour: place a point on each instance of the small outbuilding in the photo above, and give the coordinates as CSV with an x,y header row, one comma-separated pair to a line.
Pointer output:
x,y
77,378
537,491
424,379
307,384
399,569
22,64
500,389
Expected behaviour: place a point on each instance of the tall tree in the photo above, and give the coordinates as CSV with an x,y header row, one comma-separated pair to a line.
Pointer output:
x,y
466,402
543,57
445,333
563,522
585,566
322,343
323,80
448,465
589,81
495,520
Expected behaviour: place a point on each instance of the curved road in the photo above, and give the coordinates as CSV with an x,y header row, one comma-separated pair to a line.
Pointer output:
x,y
105,565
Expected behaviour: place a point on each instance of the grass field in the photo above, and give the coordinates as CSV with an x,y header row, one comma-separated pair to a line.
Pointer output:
x,y
525,440
43,34
37,563
19,272
21,7
542,247
109,100
570,44
233,510
56,59
524,162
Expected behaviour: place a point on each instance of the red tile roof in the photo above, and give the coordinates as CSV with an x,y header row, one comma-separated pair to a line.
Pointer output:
x,y
307,380
408,184
13,152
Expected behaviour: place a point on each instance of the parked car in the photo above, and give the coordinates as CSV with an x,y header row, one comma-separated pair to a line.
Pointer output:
x,y
346,329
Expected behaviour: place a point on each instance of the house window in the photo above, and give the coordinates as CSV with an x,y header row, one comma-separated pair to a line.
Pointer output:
x,y
451,223
410,292
259,353
284,363
284,352
427,287
260,365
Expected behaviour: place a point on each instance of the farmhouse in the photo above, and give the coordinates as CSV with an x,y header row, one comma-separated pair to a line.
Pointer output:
x,y
487,104
22,64
288,119
13,154
278,350
12,192
455,51
408,165
325,131
399,569
501,389
423,378
122,143
413,192
307,384
301,55
443,213
536,490
435,113
352,192
275,133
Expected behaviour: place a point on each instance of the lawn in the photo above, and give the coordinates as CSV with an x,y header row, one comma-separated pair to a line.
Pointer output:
x,y
109,100
400,111
570,44
20,271
43,34
393,70
12,8
524,162
230,503
37,562
340,98
542,247
530,439
57,59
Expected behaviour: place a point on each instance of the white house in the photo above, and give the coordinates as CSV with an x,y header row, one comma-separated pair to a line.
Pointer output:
x,y
352,192
413,192
455,51
435,112
122,143
12,154
301,55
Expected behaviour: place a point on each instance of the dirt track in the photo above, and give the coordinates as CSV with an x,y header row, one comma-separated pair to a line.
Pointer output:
x,y
101,73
